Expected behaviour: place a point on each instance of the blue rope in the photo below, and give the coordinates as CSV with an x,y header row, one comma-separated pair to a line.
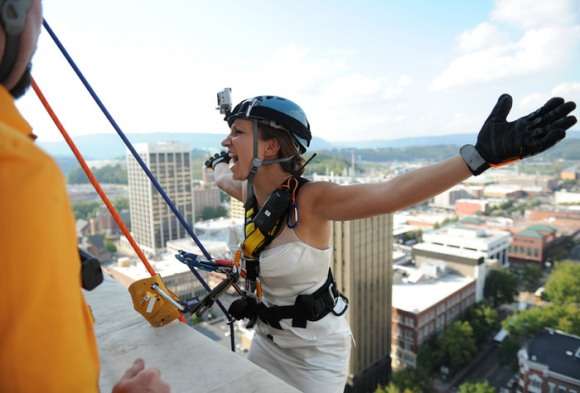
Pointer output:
x,y
143,166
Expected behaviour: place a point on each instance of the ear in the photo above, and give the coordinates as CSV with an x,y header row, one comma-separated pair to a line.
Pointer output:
x,y
271,148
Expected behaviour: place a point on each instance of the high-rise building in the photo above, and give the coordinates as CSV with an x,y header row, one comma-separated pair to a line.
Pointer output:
x,y
152,222
362,259
207,196
236,209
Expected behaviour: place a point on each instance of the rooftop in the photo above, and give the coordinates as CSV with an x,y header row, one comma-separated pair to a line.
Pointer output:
x,y
558,350
446,250
188,360
420,296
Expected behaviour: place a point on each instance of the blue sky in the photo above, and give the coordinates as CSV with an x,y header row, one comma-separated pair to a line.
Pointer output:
x,y
364,70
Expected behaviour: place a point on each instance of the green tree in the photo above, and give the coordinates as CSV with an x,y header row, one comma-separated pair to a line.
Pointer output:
x,y
121,204
476,387
85,209
213,212
458,344
500,287
530,277
112,174
410,379
110,246
430,356
508,351
563,285
392,388
483,320
529,322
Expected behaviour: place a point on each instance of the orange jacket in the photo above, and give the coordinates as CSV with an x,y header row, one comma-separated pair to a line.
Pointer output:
x,y
47,343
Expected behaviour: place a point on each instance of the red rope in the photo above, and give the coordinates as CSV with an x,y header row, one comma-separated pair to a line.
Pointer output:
x,y
92,179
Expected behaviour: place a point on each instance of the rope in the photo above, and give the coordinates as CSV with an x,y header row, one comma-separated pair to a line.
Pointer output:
x,y
143,166
92,178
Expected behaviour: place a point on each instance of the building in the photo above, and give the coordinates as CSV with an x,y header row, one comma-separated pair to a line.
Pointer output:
x,y
567,198
530,244
236,209
467,263
469,207
420,220
569,174
176,275
491,244
550,363
425,301
104,224
152,222
205,197
448,198
503,191
362,260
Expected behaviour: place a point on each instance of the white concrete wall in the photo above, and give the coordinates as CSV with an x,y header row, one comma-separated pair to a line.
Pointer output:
x,y
188,361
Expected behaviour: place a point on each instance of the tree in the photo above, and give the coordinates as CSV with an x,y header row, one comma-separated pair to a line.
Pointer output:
x,y
430,356
392,388
85,209
483,320
500,287
112,174
476,387
563,285
213,212
458,344
121,204
410,380
529,322
110,246
530,277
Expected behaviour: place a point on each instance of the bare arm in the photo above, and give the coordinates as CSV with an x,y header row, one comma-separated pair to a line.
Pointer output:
x,y
334,202
225,181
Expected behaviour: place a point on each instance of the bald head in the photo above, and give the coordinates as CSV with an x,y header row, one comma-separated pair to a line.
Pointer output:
x,y
18,78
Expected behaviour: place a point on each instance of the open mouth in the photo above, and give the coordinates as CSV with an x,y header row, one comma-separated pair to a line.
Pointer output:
x,y
234,158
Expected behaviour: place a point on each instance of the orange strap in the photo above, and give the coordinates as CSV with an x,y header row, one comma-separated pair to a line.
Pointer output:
x,y
92,179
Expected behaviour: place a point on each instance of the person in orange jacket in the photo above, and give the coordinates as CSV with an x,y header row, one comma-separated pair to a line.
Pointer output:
x,y
47,342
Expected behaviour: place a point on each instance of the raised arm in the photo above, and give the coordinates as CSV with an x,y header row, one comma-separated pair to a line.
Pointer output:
x,y
499,142
225,181
335,202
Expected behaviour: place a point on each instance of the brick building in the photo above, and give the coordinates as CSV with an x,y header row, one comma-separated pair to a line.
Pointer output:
x,y
530,244
424,304
550,363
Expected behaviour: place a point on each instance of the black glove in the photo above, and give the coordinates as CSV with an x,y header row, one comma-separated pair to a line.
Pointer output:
x,y
500,141
246,307
217,158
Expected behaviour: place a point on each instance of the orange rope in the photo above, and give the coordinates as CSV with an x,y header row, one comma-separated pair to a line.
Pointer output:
x,y
92,179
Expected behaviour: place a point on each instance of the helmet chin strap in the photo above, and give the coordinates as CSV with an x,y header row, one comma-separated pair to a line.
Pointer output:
x,y
256,164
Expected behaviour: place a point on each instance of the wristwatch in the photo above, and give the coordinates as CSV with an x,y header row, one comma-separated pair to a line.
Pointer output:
x,y
473,159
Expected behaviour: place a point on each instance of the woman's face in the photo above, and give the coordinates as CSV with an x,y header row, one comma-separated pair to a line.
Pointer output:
x,y
240,145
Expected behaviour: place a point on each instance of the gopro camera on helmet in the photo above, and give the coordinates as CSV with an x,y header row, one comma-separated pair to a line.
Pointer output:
x,y
224,99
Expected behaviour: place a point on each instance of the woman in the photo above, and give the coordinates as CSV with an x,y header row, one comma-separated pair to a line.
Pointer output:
x,y
308,346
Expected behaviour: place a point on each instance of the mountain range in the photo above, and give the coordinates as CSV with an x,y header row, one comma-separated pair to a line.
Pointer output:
x,y
109,146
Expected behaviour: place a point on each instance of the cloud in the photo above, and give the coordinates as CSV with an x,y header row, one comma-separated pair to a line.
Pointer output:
x,y
547,34
570,91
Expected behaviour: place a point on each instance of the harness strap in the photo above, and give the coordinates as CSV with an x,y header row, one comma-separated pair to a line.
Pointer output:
x,y
306,308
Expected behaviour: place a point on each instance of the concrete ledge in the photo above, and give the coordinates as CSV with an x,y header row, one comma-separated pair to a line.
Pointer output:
x,y
189,361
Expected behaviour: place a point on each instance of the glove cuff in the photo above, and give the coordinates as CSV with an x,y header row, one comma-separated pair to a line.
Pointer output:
x,y
474,161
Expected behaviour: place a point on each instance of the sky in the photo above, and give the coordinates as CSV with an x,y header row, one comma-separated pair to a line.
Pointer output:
x,y
361,70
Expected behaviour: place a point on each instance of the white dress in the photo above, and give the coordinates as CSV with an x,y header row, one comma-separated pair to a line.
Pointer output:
x,y
312,359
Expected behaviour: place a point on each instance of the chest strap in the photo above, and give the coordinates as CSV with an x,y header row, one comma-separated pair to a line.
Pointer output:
x,y
311,307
